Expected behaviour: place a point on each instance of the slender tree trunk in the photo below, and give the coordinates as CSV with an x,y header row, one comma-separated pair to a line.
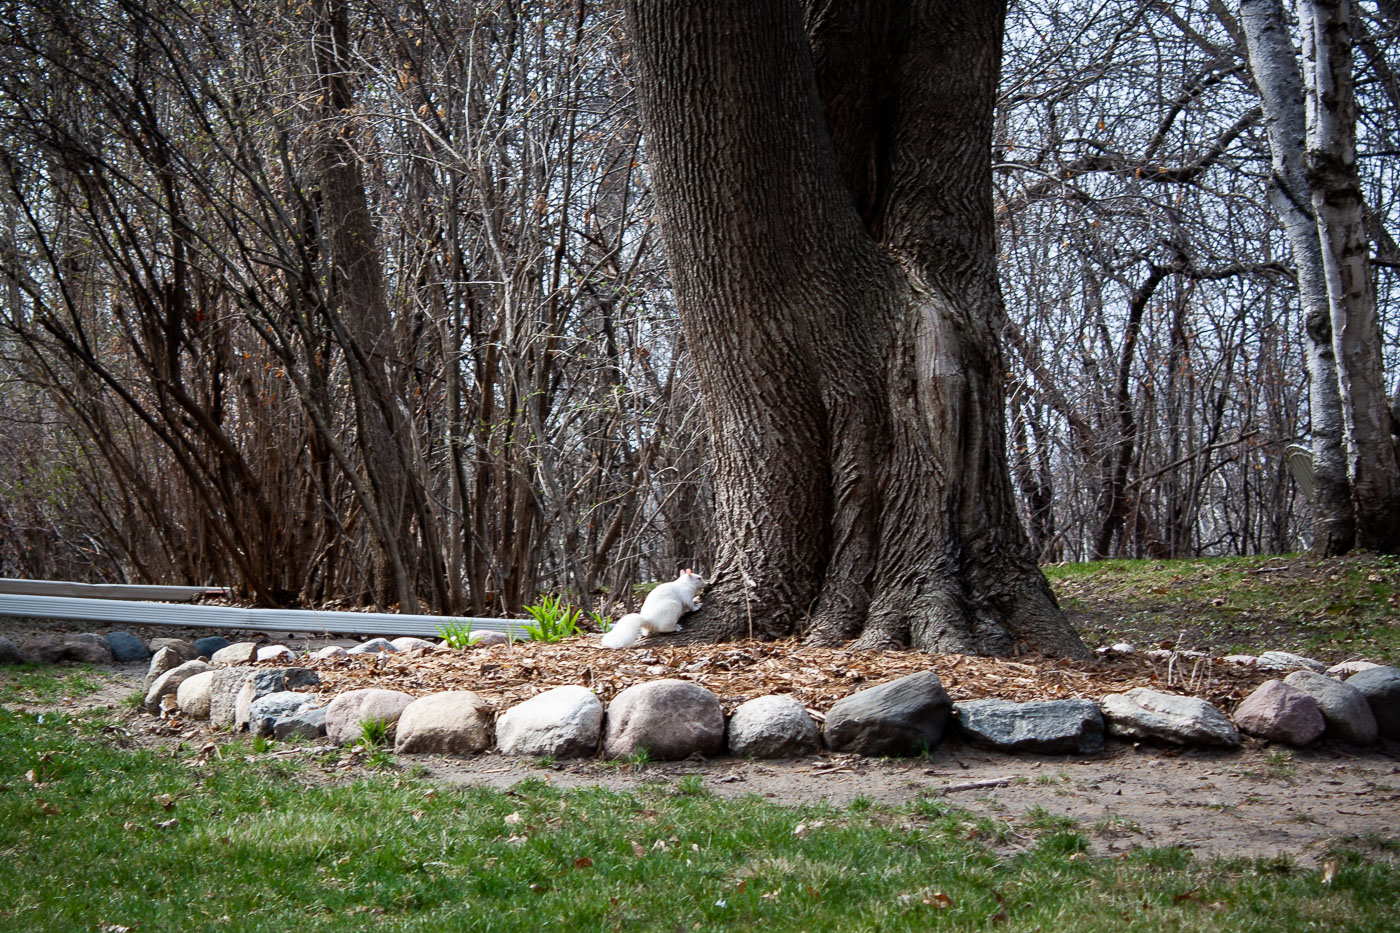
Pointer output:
x,y
1274,64
826,202
1328,28
360,311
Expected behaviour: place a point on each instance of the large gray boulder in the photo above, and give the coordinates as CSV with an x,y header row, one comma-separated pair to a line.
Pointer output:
x,y
347,713
169,682
456,722
1349,717
1141,713
267,709
9,652
1381,688
126,647
776,726
904,717
193,695
669,719
1280,713
1048,727
263,681
566,722
87,648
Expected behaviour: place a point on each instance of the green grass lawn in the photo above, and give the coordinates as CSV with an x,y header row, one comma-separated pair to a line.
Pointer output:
x,y
96,836
1330,609
45,683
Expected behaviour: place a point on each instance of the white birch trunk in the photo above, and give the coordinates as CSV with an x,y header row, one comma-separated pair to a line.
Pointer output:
x,y
1273,61
1327,30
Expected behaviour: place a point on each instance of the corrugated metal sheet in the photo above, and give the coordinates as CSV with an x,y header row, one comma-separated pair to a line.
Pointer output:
x,y
173,594
275,620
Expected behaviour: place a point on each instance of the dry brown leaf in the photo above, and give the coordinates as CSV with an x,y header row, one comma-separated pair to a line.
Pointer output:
x,y
1329,870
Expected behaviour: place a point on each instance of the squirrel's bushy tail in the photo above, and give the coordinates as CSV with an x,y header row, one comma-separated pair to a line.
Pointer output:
x,y
625,631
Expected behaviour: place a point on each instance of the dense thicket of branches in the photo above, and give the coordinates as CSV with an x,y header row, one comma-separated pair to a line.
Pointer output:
x,y
363,302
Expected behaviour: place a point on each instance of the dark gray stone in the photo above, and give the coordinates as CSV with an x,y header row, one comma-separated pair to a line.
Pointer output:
x,y
264,681
1049,727
904,717
305,724
773,727
9,652
264,712
1349,717
207,645
126,647
670,719
1381,688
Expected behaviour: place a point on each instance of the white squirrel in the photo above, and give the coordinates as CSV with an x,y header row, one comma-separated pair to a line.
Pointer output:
x,y
661,611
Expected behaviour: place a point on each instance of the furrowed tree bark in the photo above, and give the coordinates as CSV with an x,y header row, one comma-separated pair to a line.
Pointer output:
x,y
825,195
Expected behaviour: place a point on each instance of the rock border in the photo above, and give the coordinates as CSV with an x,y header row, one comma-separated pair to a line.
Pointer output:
x,y
907,716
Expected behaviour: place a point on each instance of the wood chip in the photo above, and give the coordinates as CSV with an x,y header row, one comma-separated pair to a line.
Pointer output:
x,y
505,675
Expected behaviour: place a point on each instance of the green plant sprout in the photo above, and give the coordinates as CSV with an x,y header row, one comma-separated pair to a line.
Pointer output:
x,y
456,633
554,620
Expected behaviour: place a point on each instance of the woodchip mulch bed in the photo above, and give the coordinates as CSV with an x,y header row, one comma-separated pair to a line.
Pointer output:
x,y
505,675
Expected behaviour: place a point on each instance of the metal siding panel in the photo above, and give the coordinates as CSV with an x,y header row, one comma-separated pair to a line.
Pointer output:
x,y
278,620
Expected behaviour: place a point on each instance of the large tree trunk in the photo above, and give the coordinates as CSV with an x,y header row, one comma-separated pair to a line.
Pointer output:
x,y
1274,65
359,311
826,200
